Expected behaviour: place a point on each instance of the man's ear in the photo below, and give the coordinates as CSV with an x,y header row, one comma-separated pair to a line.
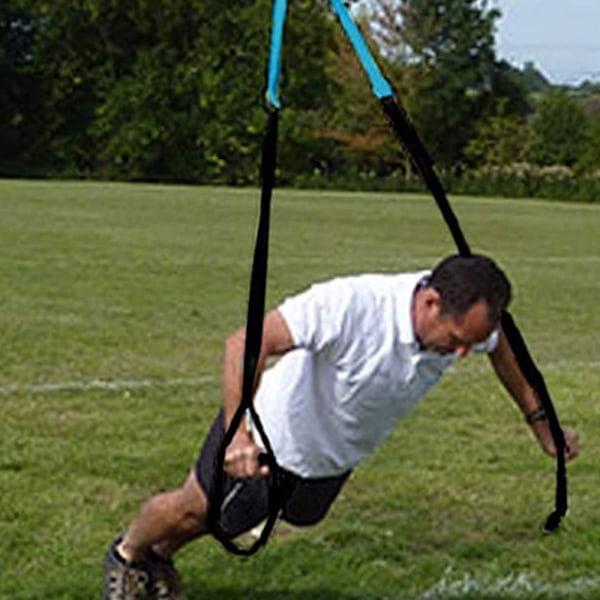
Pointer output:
x,y
431,298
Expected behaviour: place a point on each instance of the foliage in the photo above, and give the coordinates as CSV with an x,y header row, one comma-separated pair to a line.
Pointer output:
x,y
534,80
356,131
19,92
447,46
167,90
510,92
502,139
559,129
526,180
306,89
589,158
170,90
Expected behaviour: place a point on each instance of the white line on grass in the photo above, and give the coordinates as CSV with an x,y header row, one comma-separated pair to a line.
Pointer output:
x,y
513,586
567,260
557,365
105,384
100,383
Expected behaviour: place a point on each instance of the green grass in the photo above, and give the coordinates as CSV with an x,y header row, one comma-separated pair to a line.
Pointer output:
x,y
140,284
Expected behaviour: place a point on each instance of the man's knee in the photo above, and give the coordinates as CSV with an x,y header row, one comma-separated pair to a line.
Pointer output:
x,y
191,503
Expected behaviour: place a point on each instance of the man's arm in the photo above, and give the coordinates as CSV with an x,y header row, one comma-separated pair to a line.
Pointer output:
x,y
241,456
509,373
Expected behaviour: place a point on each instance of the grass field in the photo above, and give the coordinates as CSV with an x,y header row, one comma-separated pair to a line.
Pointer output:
x,y
114,302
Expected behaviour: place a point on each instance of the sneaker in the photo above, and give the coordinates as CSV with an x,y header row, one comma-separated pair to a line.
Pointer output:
x,y
165,581
124,580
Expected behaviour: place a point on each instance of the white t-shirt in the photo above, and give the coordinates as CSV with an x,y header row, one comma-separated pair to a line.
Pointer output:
x,y
355,371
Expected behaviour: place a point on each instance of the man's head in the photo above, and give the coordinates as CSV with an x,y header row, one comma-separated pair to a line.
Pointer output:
x,y
461,304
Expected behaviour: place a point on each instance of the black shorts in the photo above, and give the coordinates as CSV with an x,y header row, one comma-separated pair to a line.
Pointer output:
x,y
245,501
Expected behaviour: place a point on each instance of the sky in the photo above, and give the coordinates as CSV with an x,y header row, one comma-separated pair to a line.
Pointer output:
x,y
561,37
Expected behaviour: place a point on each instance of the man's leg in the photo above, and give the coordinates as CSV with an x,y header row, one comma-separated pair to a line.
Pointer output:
x,y
139,565
166,522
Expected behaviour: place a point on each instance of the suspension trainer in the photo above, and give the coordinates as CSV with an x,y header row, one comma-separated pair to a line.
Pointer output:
x,y
416,151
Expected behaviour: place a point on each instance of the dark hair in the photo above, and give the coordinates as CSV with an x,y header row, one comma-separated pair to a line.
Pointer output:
x,y
462,281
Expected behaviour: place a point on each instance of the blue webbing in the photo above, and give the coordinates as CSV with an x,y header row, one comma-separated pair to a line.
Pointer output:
x,y
380,85
279,12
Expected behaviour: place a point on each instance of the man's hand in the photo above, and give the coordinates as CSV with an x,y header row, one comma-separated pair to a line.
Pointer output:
x,y
544,435
241,457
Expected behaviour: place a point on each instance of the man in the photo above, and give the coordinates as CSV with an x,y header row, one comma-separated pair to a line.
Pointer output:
x,y
357,353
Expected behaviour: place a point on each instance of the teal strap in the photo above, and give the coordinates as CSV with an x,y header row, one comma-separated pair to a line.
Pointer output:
x,y
279,12
380,85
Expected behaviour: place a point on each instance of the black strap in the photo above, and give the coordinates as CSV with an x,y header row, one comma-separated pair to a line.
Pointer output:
x,y
536,381
254,327
409,138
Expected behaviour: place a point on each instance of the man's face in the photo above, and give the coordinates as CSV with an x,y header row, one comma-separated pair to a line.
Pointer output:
x,y
441,333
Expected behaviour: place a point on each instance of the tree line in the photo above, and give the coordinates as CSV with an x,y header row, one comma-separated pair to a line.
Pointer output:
x,y
171,90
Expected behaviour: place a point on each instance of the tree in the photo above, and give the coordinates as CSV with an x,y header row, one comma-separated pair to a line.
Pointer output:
x,y
306,90
559,129
510,93
451,79
168,89
180,106
447,49
19,90
534,80
359,136
503,133
501,140
589,158
130,89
